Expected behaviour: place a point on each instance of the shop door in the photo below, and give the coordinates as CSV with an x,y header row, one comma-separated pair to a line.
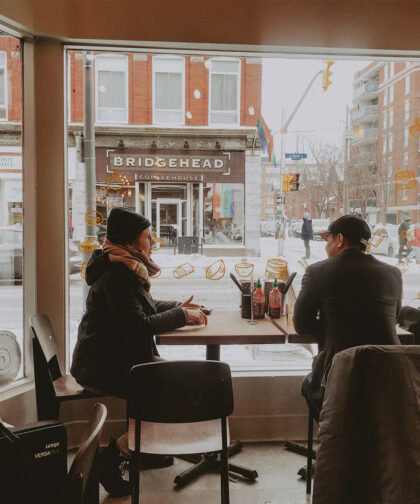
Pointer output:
x,y
168,219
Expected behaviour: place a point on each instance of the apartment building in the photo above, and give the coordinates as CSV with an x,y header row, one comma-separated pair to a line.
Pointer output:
x,y
383,150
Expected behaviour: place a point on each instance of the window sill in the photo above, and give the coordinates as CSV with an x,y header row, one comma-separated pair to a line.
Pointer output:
x,y
18,387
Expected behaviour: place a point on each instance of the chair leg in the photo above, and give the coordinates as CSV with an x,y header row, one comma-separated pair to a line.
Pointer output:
x,y
224,473
309,456
135,473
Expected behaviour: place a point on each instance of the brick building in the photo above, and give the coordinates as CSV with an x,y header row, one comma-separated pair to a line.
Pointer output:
x,y
385,102
181,131
177,131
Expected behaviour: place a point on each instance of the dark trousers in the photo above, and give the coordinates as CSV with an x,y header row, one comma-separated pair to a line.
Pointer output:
x,y
307,248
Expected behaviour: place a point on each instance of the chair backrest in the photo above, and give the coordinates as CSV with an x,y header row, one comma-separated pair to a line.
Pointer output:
x,y
180,391
369,427
44,334
83,480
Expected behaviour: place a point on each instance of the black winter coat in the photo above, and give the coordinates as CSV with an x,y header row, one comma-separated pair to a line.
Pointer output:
x,y
117,329
358,299
307,231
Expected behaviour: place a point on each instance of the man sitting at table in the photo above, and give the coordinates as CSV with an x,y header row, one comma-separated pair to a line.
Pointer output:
x,y
349,299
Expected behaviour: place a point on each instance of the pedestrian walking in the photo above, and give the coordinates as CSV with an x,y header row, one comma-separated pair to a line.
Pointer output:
x,y
416,242
404,239
307,233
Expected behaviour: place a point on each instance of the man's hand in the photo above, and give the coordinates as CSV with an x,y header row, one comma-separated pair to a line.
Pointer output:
x,y
195,317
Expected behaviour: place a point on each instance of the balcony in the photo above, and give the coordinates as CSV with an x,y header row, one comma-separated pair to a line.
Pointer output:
x,y
365,114
367,91
368,136
368,158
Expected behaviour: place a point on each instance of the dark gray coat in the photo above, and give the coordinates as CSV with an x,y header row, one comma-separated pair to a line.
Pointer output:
x,y
117,329
358,299
307,231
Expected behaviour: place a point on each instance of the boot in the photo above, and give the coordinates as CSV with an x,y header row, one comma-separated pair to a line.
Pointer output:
x,y
152,461
110,473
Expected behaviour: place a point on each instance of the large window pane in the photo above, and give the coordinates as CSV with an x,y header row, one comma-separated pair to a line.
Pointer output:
x,y
213,181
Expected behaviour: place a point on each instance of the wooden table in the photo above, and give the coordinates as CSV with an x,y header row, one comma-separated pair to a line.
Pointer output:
x,y
224,328
406,337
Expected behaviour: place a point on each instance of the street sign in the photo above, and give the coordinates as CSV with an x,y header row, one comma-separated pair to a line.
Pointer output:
x,y
296,156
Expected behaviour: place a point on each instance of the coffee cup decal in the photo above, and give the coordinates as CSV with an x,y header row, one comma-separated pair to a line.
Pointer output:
x,y
89,245
216,271
415,129
93,218
405,179
244,269
376,239
115,181
276,268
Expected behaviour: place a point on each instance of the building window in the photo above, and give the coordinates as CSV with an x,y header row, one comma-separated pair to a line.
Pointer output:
x,y
384,118
169,90
391,117
3,86
224,91
391,69
407,84
384,142
111,88
389,168
418,197
386,72
224,214
405,194
405,160
391,93
390,142
405,138
406,110
385,96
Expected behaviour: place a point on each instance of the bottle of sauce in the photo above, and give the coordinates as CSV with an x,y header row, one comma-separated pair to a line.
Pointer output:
x,y
274,301
258,301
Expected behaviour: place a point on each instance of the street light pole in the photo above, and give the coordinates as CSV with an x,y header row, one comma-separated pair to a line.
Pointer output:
x,y
89,153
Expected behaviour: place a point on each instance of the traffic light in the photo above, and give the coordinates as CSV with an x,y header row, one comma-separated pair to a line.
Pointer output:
x,y
291,182
326,74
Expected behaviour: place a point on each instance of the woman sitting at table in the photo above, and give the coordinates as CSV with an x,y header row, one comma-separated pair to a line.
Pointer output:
x,y
117,329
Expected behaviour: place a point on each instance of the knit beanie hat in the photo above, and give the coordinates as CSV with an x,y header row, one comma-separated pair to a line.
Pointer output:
x,y
125,225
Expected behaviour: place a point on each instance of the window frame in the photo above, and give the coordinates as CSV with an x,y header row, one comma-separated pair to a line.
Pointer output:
x,y
103,58
6,89
407,85
155,60
238,95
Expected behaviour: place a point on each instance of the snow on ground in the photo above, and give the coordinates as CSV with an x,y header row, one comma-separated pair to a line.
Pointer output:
x,y
223,295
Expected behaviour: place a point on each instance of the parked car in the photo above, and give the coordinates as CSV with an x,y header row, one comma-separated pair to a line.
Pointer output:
x,y
319,226
268,228
11,255
389,244
295,228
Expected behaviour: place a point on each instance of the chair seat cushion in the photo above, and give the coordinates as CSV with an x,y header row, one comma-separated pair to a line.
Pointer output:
x,y
178,438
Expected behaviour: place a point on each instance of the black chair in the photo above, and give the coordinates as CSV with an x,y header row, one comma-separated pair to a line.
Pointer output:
x,y
83,477
179,407
51,386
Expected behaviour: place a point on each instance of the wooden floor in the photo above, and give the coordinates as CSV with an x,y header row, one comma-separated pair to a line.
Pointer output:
x,y
277,483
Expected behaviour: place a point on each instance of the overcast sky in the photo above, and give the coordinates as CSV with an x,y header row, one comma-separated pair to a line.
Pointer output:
x,y
322,113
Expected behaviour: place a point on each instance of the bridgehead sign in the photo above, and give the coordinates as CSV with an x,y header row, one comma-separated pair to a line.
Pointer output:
x,y
168,162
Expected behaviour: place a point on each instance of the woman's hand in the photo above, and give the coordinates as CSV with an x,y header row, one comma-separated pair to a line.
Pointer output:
x,y
195,317
188,304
